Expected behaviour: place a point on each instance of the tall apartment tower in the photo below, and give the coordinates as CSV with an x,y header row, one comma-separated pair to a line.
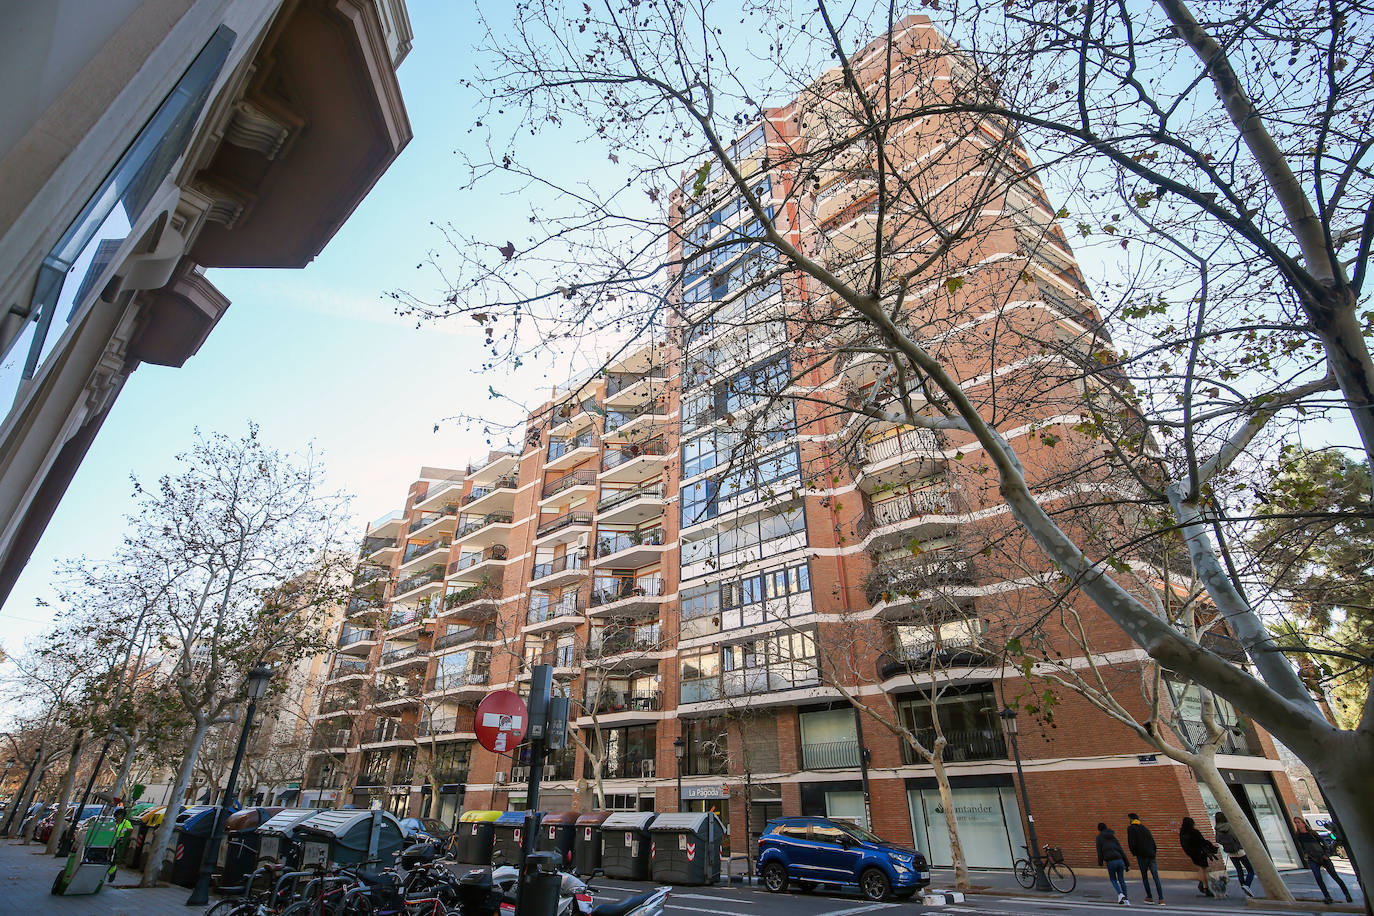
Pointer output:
x,y
727,535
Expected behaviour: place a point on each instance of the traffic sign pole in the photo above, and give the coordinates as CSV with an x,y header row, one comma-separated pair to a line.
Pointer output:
x,y
541,685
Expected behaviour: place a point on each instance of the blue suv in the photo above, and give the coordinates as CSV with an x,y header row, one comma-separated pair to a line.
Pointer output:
x,y
818,850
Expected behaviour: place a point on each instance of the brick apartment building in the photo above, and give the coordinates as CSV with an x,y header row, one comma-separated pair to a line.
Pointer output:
x,y
707,545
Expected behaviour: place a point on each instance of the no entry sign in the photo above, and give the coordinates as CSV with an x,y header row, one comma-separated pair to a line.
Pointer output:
x,y
501,721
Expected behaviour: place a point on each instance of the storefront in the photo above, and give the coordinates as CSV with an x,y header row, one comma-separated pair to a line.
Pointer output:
x,y
1254,792
989,821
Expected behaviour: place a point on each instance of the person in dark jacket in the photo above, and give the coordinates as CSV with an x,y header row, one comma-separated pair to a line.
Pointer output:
x,y
1227,840
1314,853
1199,850
1141,843
1110,854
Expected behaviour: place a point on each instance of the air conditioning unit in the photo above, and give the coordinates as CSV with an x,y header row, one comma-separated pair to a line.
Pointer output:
x,y
500,778
520,774
646,769
582,542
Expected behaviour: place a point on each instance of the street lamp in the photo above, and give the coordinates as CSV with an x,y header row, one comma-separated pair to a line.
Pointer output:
x,y
679,751
254,688
1042,883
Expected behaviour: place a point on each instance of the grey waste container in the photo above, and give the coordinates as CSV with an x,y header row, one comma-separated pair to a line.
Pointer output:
x,y
587,842
351,837
686,848
625,845
556,835
473,840
279,842
506,836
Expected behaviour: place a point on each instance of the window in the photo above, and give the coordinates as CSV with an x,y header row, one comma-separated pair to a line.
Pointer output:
x,y
968,719
700,600
828,834
708,747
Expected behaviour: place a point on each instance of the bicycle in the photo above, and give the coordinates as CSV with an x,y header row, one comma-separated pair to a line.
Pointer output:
x,y
243,901
1057,871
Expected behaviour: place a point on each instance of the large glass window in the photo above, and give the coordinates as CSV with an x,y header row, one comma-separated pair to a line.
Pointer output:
x,y
71,271
968,720
989,825
708,747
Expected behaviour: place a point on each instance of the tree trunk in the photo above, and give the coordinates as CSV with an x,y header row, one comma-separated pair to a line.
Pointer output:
x,y
64,794
1344,780
956,847
1206,769
21,800
153,853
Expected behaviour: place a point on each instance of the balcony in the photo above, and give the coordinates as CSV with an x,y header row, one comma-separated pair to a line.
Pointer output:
x,y
389,730
574,480
1228,647
564,528
831,755
401,657
404,617
920,659
645,638
613,701
901,458
436,523
841,195
464,636
561,570
499,495
961,745
629,549
626,595
475,567
331,705
481,531
623,423
571,417
895,582
331,738
372,779
565,453
434,727
419,585
1233,742
915,505
360,605
355,642
545,614
388,526
627,391
632,506
497,464
415,553
634,463
391,694
379,550
476,600
467,683
347,668
369,575
440,494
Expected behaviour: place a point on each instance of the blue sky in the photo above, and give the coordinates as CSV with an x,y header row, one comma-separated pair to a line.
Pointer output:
x,y
314,356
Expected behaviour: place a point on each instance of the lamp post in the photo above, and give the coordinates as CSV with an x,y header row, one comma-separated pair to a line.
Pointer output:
x,y
255,689
1042,883
679,751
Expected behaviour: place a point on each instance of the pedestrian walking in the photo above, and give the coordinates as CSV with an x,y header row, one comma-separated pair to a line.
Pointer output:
x,y
1110,854
1199,850
1228,841
1141,842
1314,853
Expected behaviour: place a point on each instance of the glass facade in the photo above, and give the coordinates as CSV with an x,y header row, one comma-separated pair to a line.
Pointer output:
x,y
989,826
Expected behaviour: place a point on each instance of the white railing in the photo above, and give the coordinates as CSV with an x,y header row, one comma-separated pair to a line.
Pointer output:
x,y
911,442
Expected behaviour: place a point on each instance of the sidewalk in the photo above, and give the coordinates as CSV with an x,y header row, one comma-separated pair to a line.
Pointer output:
x,y
26,876
1093,887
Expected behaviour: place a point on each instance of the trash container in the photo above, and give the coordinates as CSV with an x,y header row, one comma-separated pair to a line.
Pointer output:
x,y
144,825
626,846
587,842
543,884
192,831
686,848
351,837
241,844
473,845
277,836
557,833
506,836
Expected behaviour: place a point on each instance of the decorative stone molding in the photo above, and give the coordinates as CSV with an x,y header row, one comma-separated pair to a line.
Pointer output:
x,y
262,125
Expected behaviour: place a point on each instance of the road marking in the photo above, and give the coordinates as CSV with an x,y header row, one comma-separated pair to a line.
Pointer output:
x,y
858,909
702,909
715,897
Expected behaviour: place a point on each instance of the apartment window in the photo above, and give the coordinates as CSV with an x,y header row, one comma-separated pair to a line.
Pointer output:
x,y
459,668
968,720
700,601
708,747
778,661
700,675
629,752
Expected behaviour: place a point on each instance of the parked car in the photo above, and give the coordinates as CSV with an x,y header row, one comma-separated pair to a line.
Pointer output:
x,y
36,813
45,826
417,829
812,851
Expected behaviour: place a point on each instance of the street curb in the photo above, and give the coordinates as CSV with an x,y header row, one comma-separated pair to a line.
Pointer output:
x,y
1260,905
941,898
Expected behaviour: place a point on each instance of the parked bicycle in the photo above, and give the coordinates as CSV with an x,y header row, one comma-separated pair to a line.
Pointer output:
x,y
1057,871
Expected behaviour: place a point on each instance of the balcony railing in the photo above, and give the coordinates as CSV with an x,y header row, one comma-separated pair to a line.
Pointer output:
x,y
618,456
976,744
583,477
438,727
644,638
399,655
338,704
403,617
609,589
433,574
385,693
934,500
369,574
359,605
611,701
909,442
572,560
494,552
350,637
560,447
465,635
925,571
566,520
566,606
830,755
474,468
620,381
414,551
607,544
1233,742
450,777
346,666
429,518
372,778
403,777
375,545
388,732
459,679
619,497
618,418
482,591
917,659
469,524
500,483
334,737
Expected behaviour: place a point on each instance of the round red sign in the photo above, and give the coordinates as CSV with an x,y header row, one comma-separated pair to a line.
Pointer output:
x,y
501,721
